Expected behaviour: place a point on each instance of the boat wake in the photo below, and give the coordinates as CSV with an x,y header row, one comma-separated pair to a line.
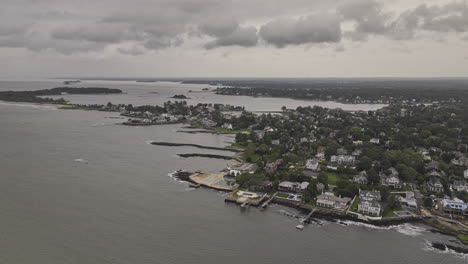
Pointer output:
x,y
81,160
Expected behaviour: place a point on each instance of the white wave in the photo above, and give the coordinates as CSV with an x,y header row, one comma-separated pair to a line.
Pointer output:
x,y
81,160
149,142
405,229
409,229
428,247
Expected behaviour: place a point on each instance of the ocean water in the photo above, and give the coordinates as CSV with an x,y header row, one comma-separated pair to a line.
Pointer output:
x,y
75,187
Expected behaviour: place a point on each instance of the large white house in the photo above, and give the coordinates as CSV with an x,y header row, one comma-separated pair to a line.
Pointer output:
x,y
294,187
371,207
329,200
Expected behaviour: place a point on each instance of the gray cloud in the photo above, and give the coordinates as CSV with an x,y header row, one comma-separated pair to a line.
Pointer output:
x,y
87,26
241,36
311,29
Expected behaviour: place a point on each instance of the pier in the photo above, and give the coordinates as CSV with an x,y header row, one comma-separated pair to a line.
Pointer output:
x,y
267,202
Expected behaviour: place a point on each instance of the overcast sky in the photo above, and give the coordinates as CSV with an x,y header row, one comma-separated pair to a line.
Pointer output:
x,y
233,38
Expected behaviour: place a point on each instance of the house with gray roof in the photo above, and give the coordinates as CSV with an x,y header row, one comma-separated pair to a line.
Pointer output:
x,y
435,185
460,186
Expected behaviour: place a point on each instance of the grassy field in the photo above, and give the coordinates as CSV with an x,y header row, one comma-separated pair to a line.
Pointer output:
x,y
332,177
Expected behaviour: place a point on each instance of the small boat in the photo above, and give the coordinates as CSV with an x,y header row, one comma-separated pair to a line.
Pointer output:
x,y
300,227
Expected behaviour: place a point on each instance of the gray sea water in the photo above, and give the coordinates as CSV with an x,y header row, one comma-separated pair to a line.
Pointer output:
x,y
120,205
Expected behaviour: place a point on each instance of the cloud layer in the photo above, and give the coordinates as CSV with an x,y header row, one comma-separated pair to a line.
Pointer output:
x,y
140,26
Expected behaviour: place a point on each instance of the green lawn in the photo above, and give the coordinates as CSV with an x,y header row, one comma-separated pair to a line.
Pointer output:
x,y
332,177
253,157
388,212
282,195
354,206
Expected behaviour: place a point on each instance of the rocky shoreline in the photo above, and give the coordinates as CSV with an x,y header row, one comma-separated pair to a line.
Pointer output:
x,y
169,144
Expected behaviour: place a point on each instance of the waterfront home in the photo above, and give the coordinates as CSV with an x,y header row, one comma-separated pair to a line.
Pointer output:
x,y
369,195
294,187
329,200
435,185
454,207
370,207
312,164
409,200
361,178
263,186
460,186
237,170
345,160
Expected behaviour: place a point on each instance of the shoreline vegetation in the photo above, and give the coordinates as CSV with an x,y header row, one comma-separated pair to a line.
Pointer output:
x,y
327,149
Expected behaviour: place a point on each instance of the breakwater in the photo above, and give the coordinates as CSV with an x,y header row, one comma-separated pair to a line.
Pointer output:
x,y
211,156
193,145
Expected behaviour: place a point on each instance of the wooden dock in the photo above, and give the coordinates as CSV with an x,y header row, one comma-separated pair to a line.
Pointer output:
x,y
267,202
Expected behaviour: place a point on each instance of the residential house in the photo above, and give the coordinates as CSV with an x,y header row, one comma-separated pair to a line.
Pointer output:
x,y
465,174
344,160
454,207
237,170
371,207
460,186
375,141
271,167
320,154
227,126
275,142
435,185
263,186
390,178
461,161
310,174
369,195
312,164
409,200
361,178
329,200
294,187
341,151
